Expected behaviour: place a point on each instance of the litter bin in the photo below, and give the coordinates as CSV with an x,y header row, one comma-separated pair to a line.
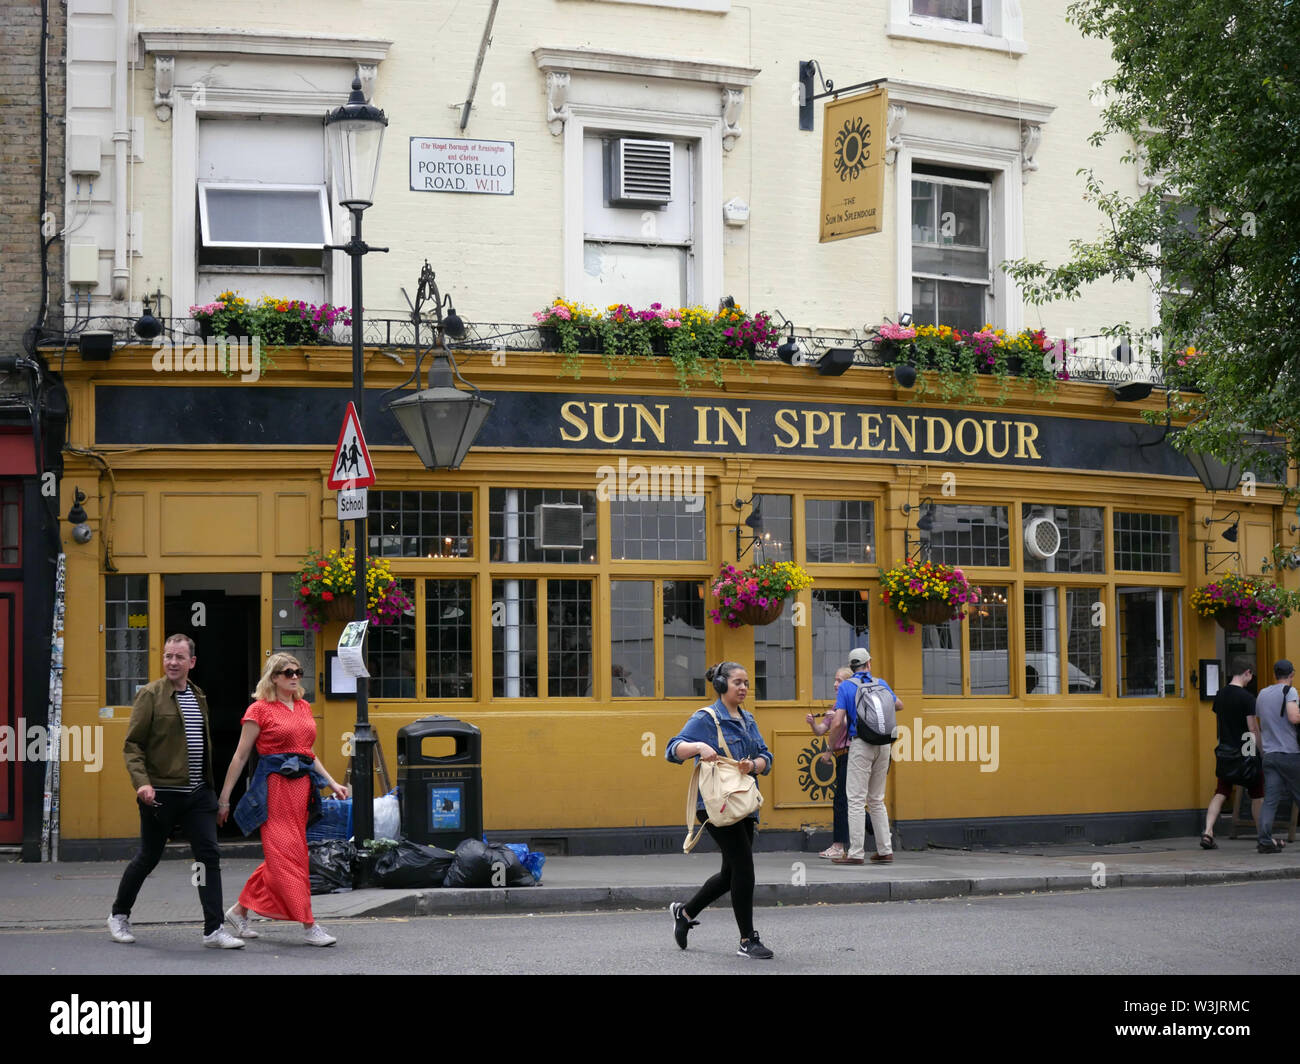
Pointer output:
x,y
440,777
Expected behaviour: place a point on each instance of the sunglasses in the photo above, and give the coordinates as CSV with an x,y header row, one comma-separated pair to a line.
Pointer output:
x,y
290,673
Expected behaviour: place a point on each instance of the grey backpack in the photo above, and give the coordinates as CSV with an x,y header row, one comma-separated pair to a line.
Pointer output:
x,y
874,702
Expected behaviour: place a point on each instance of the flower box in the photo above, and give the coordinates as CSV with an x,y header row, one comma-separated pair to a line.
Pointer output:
x,y
340,608
757,616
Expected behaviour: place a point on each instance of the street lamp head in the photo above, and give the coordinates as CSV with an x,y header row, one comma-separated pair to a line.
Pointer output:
x,y
355,136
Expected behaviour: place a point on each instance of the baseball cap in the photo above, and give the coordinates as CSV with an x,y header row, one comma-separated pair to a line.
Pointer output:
x,y
859,656
1282,668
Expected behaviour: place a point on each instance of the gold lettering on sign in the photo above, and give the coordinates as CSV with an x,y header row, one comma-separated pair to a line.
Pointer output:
x,y
598,413
572,413
811,418
837,441
785,423
977,445
930,423
1026,434
739,429
646,419
701,425
871,439
988,438
896,429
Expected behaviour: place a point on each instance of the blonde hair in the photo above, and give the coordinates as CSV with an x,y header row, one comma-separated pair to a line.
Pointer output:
x,y
843,672
265,690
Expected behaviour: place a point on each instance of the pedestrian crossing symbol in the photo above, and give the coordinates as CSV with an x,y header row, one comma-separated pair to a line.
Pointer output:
x,y
351,468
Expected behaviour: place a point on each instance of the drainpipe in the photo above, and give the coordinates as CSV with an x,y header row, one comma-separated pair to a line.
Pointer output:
x,y
121,137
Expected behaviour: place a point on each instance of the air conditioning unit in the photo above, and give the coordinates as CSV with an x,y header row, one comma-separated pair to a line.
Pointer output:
x,y
558,526
640,172
1042,538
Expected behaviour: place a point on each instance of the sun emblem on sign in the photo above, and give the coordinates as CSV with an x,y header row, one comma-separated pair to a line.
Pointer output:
x,y
816,778
852,148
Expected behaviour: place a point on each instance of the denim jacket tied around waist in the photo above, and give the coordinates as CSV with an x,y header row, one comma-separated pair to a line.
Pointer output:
x,y
251,812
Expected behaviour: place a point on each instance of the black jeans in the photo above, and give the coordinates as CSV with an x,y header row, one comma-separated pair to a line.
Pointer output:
x,y
736,841
196,812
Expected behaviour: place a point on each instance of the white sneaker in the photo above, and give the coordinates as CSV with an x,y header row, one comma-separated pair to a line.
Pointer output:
x,y
120,928
318,936
242,925
222,939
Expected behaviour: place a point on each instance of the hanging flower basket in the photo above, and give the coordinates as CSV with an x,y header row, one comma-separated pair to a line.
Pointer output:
x,y
340,608
756,615
1244,605
756,595
934,611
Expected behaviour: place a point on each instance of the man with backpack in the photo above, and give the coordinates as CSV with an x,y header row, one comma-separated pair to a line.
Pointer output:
x,y
1278,712
867,706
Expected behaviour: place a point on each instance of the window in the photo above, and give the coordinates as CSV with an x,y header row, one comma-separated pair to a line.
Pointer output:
x,y
839,530
990,672
1150,642
263,214
774,527
1048,629
421,524
840,622
637,252
449,638
390,650
542,525
1146,542
516,662
774,676
967,535
126,637
952,281
633,654
1082,532
970,12
11,522
662,530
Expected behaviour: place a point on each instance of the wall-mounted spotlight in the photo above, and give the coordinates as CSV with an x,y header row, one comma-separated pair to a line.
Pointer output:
x,y
79,519
754,522
1232,520
905,319
836,361
923,524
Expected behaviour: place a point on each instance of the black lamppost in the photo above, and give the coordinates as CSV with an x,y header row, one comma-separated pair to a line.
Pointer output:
x,y
355,135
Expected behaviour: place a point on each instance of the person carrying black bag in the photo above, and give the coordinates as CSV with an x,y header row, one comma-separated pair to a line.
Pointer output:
x,y
1236,758
1278,709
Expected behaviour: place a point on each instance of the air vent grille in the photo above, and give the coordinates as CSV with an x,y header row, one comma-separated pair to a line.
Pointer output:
x,y
641,171
557,526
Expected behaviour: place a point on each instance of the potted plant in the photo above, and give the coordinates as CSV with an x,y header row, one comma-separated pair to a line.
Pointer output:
x,y
756,595
570,328
326,585
1243,604
926,592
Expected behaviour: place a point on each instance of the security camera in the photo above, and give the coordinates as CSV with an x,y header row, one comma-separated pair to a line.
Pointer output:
x,y
82,533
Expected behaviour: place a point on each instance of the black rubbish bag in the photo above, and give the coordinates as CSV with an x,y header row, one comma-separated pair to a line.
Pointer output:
x,y
409,864
472,866
481,864
330,866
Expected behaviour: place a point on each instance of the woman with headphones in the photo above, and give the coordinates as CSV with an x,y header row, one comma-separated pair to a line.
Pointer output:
x,y
736,841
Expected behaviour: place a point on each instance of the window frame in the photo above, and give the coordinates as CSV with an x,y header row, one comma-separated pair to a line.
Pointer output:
x,y
937,278
1002,29
204,187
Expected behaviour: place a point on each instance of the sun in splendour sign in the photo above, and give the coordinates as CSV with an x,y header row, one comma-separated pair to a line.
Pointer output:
x,y
455,164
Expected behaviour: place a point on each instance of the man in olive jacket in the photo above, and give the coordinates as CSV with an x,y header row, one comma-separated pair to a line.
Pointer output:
x,y
169,757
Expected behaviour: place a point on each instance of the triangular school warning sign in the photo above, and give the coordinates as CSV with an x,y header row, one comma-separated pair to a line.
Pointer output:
x,y
351,468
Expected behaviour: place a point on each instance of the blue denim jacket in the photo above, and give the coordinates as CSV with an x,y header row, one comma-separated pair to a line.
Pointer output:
x,y
847,698
744,740
250,813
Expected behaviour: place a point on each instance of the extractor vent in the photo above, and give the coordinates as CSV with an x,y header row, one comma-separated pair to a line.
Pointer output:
x,y
640,172
557,526
1042,538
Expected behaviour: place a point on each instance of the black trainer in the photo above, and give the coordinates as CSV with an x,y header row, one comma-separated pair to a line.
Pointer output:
x,y
682,924
753,949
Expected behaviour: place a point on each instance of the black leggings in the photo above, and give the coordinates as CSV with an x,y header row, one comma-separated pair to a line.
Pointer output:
x,y
736,841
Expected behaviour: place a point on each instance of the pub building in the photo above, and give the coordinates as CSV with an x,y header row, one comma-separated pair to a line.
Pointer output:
x,y
561,585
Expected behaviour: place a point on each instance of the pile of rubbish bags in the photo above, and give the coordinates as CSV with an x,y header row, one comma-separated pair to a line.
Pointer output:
x,y
475,863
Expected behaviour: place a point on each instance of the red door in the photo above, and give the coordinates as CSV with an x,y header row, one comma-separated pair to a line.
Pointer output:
x,y
11,700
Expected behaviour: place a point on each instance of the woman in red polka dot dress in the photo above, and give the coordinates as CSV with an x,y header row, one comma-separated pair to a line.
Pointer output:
x,y
279,723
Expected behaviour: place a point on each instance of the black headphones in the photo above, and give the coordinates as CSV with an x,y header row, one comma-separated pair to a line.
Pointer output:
x,y
719,679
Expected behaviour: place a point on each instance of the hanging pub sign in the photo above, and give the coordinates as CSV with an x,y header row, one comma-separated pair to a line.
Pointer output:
x,y
454,164
853,165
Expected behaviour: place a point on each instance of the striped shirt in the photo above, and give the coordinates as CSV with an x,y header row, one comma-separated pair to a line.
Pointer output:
x,y
193,718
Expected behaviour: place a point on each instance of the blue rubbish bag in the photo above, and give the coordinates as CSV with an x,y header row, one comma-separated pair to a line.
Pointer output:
x,y
335,823
530,859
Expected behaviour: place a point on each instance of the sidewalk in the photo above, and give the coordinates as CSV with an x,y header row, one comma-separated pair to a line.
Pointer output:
x,y
80,894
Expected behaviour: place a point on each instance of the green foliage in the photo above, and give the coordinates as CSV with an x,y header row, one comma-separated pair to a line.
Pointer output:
x,y
1206,99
